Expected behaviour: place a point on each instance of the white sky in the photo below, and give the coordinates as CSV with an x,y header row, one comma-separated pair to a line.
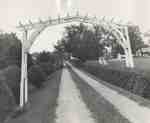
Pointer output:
x,y
13,11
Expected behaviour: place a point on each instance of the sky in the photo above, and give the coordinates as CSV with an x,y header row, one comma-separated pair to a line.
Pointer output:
x,y
13,11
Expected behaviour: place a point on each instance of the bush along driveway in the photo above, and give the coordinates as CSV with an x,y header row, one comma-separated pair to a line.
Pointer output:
x,y
42,103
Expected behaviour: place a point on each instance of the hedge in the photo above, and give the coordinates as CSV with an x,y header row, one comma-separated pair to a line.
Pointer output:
x,y
131,81
7,100
12,78
47,67
36,76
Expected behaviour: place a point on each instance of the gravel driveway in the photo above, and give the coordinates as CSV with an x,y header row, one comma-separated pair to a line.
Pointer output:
x,y
71,108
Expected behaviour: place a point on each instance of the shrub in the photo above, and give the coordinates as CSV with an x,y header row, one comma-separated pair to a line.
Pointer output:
x,y
7,100
36,76
47,67
12,78
2,63
77,62
11,61
131,81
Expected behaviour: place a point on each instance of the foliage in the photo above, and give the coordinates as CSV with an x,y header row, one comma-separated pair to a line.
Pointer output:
x,y
128,80
81,41
43,57
7,99
7,40
135,38
3,63
10,50
53,59
13,56
116,48
47,67
36,76
7,53
87,43
12,78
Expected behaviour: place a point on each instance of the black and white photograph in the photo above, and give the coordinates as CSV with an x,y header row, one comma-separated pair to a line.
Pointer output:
x,y
74,61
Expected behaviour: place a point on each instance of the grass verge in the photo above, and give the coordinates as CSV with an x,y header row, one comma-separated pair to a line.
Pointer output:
x,y
53,101
102,110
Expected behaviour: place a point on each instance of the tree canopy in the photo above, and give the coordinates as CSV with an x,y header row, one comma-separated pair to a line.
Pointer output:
x,y
135,38
10,50
88,42
81,41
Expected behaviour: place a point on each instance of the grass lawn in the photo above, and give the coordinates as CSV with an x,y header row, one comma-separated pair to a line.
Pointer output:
x,y
142,65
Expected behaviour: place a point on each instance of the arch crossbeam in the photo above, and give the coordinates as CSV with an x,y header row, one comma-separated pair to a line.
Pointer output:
x,y
57,21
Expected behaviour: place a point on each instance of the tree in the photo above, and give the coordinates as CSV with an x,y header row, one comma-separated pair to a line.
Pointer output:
x,y
135,38
47,67
6,41
117,48
13,56
10,50
49,61
12,78
36,76
81,42
43,57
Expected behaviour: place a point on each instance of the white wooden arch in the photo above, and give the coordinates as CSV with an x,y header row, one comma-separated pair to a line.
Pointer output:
x,y
32,30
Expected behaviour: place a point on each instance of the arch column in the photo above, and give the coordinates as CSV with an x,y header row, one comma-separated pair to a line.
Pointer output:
x,y
124,41
27,42
24,78
129,50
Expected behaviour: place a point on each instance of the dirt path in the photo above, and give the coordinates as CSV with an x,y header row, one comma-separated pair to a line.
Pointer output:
x,y
127,107
71,108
